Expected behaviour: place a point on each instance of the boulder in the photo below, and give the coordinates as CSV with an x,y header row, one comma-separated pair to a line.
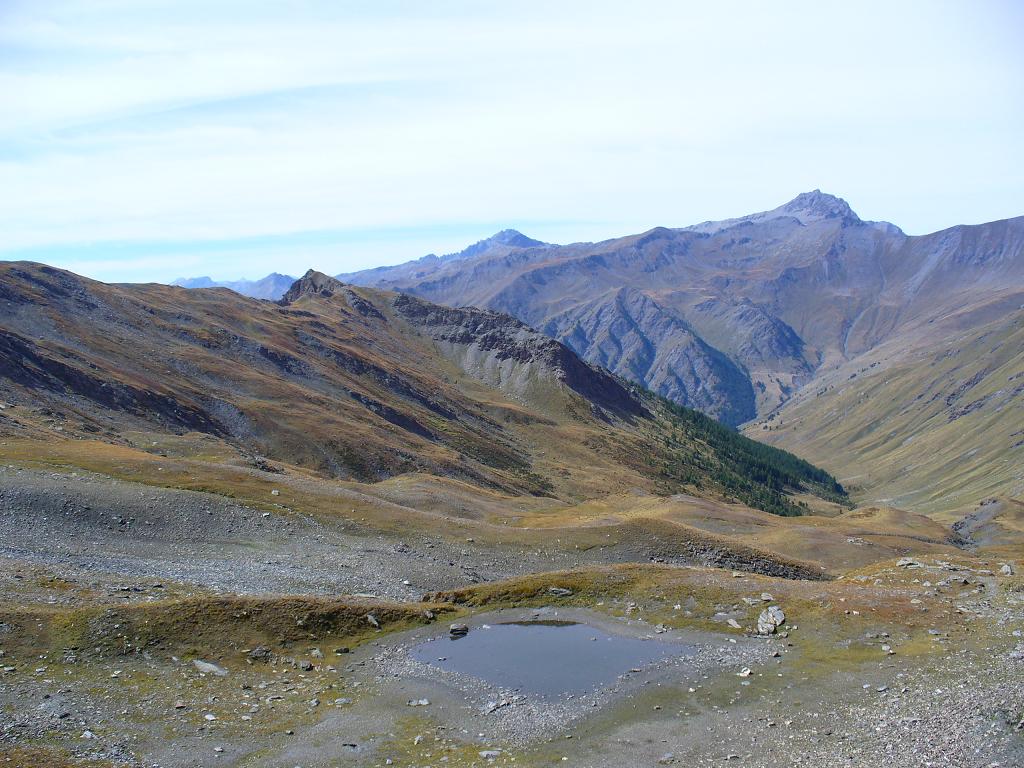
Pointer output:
x,y
260,653
770,620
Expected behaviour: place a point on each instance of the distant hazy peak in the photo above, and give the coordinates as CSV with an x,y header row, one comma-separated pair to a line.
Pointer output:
x,y
510,238
270,287
818,205
513,237
194,282
312,283
500,242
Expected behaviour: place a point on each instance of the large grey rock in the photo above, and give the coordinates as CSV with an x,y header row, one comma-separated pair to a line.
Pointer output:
x,y
770,620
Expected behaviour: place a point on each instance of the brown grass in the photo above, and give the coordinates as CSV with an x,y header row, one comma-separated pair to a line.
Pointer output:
x,y
218,627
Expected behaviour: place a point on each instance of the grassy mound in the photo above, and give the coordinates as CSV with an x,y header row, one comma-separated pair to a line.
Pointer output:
x,y
218,627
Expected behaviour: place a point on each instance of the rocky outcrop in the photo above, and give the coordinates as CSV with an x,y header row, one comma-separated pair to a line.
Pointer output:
x,y
312,283
506,353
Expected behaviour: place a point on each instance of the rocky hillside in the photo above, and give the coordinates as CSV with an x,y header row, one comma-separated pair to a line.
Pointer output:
x,y
356,383
775,296
736,317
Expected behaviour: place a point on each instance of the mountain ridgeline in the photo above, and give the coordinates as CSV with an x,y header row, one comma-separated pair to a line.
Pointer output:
x,y
359,384
816,330
820,331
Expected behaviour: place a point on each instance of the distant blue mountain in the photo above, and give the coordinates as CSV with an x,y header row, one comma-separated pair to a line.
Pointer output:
x,y
272,287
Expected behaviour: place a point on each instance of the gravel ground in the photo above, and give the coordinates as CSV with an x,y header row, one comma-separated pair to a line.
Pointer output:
x,y
95,524
958,705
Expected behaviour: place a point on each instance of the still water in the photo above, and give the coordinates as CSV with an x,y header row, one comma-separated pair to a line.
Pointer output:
x,y
545,658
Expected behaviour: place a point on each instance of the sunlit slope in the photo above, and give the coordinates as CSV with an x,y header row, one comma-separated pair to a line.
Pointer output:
x,y
934,430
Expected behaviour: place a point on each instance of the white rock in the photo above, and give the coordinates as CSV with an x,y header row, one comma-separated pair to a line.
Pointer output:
x,y
209,669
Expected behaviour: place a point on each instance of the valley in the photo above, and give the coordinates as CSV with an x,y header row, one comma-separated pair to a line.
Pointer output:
x,y
230,550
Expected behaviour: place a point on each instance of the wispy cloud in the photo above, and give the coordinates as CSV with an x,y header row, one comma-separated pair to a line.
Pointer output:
x,y
132,131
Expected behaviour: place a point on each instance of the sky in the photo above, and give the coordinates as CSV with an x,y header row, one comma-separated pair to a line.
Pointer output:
x,y
152,140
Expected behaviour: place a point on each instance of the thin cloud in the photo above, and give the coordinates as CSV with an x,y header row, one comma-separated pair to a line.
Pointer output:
x,y
141,124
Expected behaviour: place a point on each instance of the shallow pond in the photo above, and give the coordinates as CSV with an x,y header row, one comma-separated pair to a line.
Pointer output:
x,y
545,658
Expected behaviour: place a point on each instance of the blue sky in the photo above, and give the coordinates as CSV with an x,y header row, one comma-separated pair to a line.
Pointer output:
x,y
151,140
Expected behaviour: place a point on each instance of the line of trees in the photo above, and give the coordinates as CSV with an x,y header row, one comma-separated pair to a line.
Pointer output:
x,y
702,450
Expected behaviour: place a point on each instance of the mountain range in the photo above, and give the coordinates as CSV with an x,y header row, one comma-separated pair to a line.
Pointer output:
x,y
363,385
799,323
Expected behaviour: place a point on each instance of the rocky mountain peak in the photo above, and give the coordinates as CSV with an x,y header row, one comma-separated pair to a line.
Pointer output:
x,y
513,237
312,283
817,205
508,238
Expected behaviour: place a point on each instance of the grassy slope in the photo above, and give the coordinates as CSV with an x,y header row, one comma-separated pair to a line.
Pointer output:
x,y
935,430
